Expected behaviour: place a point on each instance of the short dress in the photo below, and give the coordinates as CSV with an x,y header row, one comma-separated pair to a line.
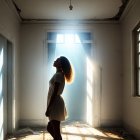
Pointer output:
x,y
57,109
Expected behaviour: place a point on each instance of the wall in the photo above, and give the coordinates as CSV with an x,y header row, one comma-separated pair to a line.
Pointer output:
x,y
131,115
9,28
109,57
33,89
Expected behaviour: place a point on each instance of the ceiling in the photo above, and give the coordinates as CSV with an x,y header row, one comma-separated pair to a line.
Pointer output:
x,y
42,10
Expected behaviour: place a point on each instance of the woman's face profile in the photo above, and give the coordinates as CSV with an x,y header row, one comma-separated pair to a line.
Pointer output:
x,y
57,63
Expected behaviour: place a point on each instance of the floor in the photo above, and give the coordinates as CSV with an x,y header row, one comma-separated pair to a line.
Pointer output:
x,y
75,131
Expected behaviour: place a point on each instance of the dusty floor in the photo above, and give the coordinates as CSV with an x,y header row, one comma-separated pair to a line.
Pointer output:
x,y
76,131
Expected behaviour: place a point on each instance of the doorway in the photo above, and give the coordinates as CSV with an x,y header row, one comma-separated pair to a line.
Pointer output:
x,y
77,47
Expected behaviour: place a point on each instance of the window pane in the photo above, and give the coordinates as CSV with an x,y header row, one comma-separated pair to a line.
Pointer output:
x,y
51,36
87,48
69,38
85,36
60,38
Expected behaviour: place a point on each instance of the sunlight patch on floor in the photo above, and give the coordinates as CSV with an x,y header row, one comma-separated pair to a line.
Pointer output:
x,y
75,131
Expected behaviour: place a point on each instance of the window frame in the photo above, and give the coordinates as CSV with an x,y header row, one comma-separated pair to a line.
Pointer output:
x,y
136,53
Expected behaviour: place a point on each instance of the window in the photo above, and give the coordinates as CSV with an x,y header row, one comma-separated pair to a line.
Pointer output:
x,y
77,47
136,43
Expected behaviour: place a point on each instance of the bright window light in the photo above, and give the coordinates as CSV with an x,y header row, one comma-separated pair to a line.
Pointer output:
x,y
69,38
1,96
60,38
72,45
89,92
1,60
77,39
89,70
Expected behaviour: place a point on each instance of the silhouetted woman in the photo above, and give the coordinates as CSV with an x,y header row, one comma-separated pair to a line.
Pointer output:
x,y
56,110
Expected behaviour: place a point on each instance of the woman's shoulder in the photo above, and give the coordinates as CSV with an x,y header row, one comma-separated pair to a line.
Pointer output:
x,y
59,76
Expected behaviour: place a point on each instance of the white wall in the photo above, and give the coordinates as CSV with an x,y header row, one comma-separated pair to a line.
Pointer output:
x,y
33,88
131,113
109,57
9,28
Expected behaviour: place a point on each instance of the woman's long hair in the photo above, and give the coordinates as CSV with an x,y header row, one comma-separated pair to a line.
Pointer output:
x,y
67,69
